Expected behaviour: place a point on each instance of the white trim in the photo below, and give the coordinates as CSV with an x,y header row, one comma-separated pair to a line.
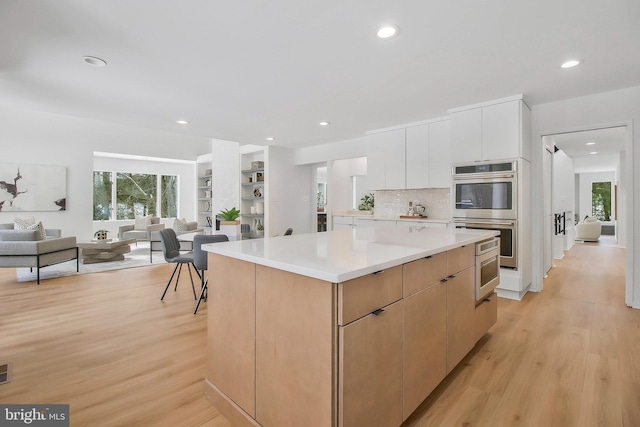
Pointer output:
x,y
518,97
407,125
145,158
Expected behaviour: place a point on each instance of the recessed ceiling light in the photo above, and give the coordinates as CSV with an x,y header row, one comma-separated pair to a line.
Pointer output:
x,y
270,138
182,122
387,31
324,123
571,63
96,62
590,143
593,152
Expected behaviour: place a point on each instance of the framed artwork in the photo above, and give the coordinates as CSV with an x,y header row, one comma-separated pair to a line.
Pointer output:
x,y
25,187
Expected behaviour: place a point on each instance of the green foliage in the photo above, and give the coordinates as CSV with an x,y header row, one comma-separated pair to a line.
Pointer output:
x,y
601,200
366,202
229,214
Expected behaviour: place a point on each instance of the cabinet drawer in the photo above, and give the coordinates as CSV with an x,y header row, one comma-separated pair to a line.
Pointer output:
x,y
486,315
419,274
361,296
460,258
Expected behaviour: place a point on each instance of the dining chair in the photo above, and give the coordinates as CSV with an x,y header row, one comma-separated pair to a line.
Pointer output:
x,y
171,252
200,259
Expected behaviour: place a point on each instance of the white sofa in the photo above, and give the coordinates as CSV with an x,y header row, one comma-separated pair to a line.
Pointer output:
x,y
588,230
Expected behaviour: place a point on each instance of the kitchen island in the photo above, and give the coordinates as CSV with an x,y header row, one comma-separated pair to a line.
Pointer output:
x,y
345,328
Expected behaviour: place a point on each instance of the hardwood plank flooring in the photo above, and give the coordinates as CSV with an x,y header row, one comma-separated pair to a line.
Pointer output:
x,y
568,356
105,344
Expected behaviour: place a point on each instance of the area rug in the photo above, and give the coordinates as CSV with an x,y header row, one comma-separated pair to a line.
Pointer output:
x,y
138,257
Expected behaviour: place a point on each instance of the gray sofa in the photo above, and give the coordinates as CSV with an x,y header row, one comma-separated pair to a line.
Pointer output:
x,y
156,245
23,248
130,232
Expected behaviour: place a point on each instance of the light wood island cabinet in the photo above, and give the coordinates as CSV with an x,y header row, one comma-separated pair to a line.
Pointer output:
x,y
288,349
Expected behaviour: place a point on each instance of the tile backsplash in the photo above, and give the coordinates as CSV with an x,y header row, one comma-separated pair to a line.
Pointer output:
x,y
392,203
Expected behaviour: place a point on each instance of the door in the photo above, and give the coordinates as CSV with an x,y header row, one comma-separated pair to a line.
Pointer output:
x,y
547,179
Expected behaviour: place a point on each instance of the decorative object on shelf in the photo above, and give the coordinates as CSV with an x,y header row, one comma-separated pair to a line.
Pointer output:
x,y
209,222
230,224
207,171
257,192
259,208
207,206
258,227
366,202
207,193
207,183
101,234
257,165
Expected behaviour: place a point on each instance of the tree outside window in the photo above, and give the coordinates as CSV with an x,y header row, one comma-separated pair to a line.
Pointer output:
x,y
102,185
134,194
601,200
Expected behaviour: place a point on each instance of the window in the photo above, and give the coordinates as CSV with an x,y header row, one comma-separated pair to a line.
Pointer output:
x,y
601,200
102,184
133,194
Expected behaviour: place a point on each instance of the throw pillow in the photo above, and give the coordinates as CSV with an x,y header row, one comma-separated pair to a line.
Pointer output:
x,y
40,232
142,222
22,224
180,225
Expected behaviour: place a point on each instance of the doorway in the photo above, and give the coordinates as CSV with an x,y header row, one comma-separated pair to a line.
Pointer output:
x,y
577,166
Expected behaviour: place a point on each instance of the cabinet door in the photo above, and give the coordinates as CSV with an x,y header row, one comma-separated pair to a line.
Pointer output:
x,y
231,329
295,349
418,156
386,160
425,345
501,131
439,155
466,136
460,316
370,370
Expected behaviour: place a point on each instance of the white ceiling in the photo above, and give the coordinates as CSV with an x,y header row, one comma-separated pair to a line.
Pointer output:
x,y
246,70
608,143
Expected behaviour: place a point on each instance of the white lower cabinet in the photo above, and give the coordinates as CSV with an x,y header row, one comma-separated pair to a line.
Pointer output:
x,y
343,222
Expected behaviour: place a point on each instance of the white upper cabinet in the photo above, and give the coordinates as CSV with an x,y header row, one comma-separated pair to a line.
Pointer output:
x,y
428,162
466,136
439,155
491,131
418,156
386,160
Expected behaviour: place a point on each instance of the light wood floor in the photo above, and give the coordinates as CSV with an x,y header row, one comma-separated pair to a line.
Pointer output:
x,y
106,345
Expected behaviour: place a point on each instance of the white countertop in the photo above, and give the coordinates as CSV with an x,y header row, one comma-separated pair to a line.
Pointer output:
x,y
337,256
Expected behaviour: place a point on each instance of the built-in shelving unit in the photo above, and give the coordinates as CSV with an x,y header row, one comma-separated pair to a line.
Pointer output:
x,y
253,196
204,195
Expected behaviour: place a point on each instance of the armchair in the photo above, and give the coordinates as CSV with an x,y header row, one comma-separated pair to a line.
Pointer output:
x,y
141,230
588,230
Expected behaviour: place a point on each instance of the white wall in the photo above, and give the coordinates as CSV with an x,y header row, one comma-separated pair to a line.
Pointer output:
x,y
620,107
52,139
340,189
289,196
563,200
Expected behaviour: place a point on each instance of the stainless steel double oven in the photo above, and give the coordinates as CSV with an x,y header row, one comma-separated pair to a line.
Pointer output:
x,y
486,198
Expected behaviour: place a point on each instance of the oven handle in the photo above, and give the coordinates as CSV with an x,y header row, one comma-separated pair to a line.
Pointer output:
x,y
482,177
469,223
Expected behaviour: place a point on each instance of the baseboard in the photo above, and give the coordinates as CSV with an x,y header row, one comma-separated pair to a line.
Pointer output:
x,y
227,407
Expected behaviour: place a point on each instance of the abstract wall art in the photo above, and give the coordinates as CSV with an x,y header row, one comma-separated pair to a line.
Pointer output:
x,y
25,187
